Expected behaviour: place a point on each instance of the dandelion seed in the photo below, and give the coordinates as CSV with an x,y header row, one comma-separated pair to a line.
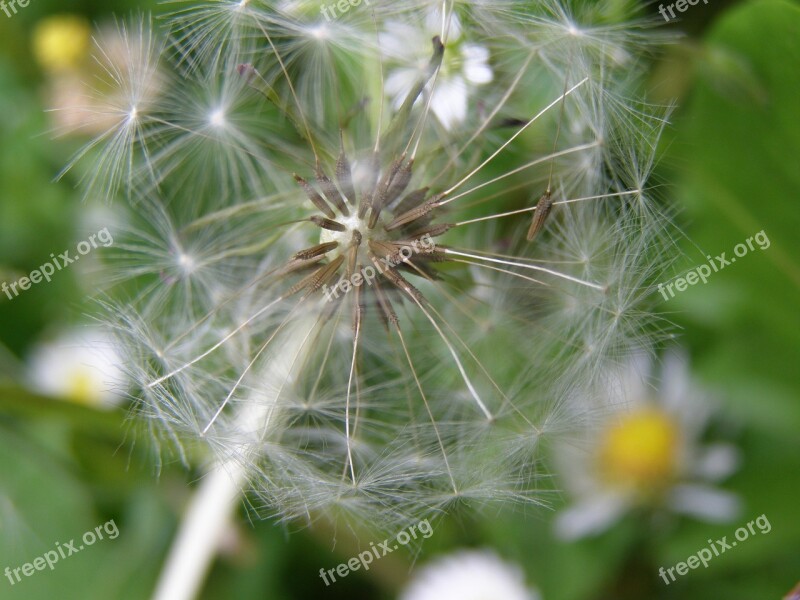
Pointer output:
x,y
129,65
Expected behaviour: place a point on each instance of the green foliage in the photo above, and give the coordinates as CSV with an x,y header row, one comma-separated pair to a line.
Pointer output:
x,y
66,469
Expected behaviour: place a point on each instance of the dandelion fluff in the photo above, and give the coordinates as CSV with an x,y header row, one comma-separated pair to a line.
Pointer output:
x,y
436,339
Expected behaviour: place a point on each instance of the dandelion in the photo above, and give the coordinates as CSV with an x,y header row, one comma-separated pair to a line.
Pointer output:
x,y
429,381
471,575
648,453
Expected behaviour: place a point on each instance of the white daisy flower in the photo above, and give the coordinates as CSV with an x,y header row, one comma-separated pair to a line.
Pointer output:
x,y
647,453
466,66
476,575
82,365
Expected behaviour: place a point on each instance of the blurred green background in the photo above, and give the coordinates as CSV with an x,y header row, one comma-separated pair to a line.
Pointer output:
x,y
731,163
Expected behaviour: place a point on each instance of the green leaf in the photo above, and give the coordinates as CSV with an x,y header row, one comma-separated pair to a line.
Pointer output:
x,y
741,145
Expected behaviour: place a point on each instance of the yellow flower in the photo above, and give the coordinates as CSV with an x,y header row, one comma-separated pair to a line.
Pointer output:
x,y
61,43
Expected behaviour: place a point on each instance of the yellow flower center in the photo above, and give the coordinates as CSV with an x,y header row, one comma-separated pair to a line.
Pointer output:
x,y
61,43
81,387
640,450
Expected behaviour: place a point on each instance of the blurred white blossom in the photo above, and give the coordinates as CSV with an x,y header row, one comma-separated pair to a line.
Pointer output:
x,y
648,451
82,365
465,67
469,575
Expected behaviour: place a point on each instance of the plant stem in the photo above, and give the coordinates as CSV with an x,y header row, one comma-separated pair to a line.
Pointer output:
x,y
211,509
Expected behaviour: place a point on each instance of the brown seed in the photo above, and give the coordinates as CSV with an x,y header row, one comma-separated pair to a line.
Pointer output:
x,y
315,251
414,214
543,208
315,280
387,313
328,224
382,193
401,181
315,198
410,201
344,176
331,192
433,230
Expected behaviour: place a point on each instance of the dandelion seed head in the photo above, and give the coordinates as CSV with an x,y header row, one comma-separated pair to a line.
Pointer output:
x,y
272,184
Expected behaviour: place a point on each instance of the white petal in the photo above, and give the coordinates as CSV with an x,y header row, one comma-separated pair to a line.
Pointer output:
x,y
477,73
688,403
635,388
475,53
705,503
449,102
398,84
401,41
590,516
433,25
576,466
476,64
676,387
716,462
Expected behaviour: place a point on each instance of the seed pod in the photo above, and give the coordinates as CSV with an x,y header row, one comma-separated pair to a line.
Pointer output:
x,y
543,208
326,223
331,192
315,198
315,251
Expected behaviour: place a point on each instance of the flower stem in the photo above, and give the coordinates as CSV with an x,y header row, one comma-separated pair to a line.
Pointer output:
x,y
211,509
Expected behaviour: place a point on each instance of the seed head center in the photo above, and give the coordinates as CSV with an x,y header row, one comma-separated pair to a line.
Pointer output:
x,y
352,224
